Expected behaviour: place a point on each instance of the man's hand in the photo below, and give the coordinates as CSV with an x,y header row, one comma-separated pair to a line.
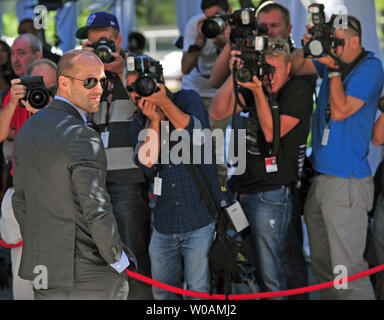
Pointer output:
x,y
307,36
151,111
201,39
18,91
235,60
159,98
117,65
255,85
328,61
220,40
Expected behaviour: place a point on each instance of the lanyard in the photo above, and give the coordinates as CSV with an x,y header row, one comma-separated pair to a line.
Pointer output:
x,y
109,91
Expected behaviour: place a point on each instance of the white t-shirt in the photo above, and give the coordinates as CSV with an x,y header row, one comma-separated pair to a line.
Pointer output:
x,y
198,78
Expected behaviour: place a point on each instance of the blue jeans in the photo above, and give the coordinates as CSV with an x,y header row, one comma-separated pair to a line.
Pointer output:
x,y
132,214
181,258
269,214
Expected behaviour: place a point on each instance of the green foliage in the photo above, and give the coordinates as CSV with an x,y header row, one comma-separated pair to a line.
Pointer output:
x,y
10,24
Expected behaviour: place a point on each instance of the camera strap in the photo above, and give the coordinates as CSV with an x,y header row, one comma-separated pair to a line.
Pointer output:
x,y
109,90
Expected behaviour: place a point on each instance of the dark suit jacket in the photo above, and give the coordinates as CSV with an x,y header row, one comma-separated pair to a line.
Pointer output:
x,y
60,198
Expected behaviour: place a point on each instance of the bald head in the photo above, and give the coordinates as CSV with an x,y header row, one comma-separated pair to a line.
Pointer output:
x,y
72,61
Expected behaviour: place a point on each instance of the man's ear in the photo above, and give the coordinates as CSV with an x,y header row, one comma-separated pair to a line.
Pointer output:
x,y
119,40
38,54
289,67
64,84
355,41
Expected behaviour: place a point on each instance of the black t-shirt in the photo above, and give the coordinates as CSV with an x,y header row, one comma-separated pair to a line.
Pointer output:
x,y
295,100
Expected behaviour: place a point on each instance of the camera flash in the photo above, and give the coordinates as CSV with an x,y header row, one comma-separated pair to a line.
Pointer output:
x,y
245,18
131,64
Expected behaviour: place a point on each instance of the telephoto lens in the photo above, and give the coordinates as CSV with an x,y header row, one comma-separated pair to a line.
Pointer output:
x,y
213,26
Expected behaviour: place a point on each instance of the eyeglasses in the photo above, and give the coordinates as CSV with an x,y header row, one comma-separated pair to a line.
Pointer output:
x,y
90,83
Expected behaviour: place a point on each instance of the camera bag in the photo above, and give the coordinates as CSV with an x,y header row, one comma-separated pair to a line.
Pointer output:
x,y
228,258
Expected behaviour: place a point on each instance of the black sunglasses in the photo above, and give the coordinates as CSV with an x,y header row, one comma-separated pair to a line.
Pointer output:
x,y
90,83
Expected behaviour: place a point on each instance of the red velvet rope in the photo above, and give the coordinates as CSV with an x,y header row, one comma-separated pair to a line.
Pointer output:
x,y
261,295
6,245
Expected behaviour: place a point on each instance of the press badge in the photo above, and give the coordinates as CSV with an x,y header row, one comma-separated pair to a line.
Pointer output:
x,y
105,138
326,132
237,216
271,164
157,183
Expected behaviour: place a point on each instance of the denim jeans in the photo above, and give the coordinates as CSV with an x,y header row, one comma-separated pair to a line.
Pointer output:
x,y
132,214
269,214
181,258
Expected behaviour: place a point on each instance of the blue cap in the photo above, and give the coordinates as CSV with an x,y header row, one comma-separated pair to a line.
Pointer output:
x,y
98,19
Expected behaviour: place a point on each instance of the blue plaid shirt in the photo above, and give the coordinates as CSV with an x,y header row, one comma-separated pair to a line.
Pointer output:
x,y
180,208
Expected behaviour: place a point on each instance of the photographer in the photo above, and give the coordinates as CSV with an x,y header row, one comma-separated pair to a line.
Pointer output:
x,y
341,193
264,189
183,226
10,232
126,183
25,49
199,55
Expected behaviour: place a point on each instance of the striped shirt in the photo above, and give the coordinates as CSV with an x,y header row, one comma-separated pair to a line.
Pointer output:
x,y
116,119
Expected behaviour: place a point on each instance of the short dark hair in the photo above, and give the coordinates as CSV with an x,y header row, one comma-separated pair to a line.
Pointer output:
x,y
206,4
268,6
353,28
136,41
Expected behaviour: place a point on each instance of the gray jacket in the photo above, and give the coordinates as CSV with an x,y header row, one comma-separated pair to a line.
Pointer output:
x,y
60,200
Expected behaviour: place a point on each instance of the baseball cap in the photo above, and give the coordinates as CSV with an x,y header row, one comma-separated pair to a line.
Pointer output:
x,y
98,19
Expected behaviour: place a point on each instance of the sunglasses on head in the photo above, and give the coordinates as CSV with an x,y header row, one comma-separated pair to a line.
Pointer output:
x,y
90,83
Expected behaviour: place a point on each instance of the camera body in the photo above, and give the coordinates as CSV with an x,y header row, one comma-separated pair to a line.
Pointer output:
x,y
242,22
103,49
150,74
252,53
37,94
323,40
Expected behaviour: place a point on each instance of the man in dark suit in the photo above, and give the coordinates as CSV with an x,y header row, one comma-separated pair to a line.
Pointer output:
x,y
72,249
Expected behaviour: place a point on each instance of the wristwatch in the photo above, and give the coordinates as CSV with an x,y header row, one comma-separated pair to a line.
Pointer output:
x,y
334,74
194,48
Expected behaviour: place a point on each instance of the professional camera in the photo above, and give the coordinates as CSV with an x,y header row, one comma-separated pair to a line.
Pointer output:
x,y
252,53
150,74
243,24
103,49
214,25
37,94
323,40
